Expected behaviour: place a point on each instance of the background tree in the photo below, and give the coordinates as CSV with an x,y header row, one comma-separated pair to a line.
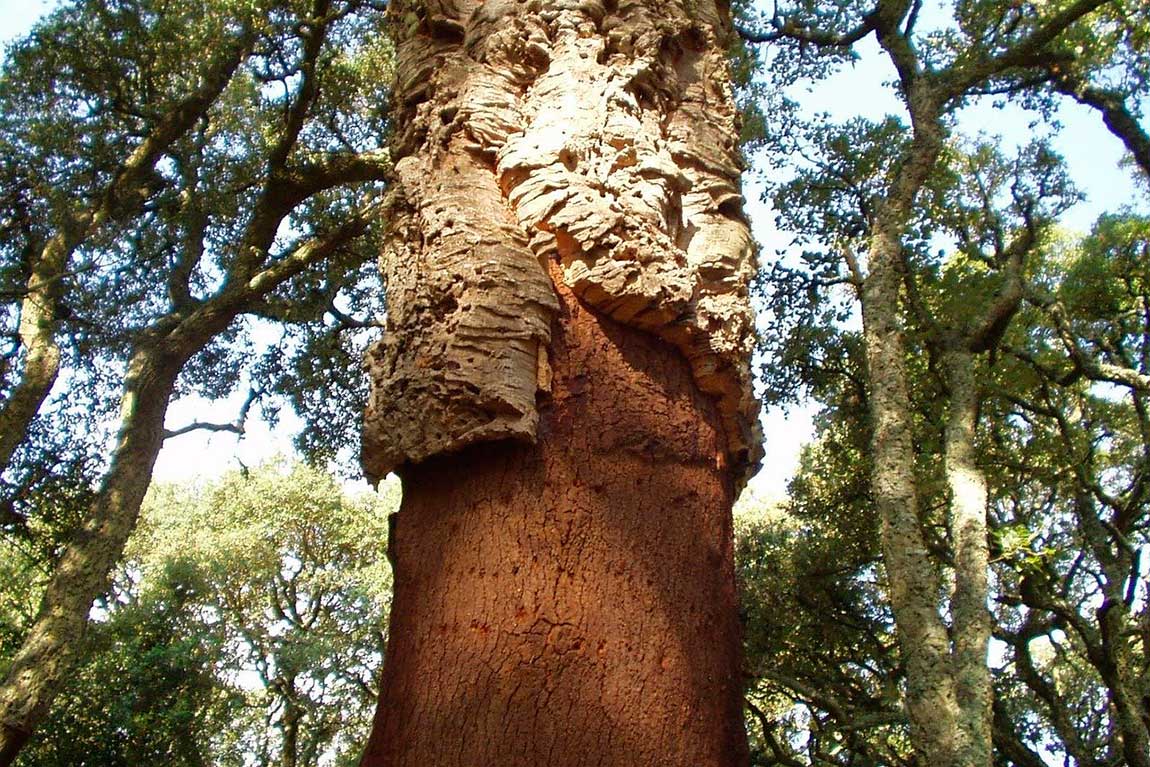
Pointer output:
x,y
985,243
145,689
1071,447
169,168
859,196
822,656
1063,457
246,626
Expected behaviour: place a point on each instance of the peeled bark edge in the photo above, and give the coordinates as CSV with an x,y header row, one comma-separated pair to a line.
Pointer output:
x,y
598,135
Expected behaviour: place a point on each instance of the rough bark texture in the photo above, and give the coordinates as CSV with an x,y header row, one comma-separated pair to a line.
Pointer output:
x,y
571,602
45,657
915,591
598,134
567,267
1124,676
970,617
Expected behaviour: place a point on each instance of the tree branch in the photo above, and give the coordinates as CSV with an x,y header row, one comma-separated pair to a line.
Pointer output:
x,y
203,426
780,755
988,329
1116,114
238,426
791,30
310,252
314,31
1029,52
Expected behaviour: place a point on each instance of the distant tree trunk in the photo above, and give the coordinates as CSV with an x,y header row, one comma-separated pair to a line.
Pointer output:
x,y
970,616
915,590
1124,674
948,697
40,667
289,726
564,387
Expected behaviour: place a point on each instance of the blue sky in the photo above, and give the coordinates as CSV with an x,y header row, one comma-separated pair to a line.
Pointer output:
x,y
16,16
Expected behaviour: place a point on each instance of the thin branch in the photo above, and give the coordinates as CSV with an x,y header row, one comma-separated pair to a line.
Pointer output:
x,y
238,426
310,252
1083,361
314,31
780,755
987,331
347,322
203,426
792,31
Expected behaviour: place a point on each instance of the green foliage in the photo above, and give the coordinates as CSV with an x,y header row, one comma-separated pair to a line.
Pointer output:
x,y
240,604
1110,272
820,642
751,92
297,576
80,98
148,694
21,583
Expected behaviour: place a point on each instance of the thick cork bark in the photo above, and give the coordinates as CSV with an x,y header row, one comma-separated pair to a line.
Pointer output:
x,y
564,386
602,134
571,603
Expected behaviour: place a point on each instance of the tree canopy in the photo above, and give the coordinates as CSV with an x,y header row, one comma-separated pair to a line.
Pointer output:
x,y
246,621
190,194
171,173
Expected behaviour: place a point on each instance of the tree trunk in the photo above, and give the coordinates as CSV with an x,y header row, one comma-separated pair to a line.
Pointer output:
x,y
572,602
567,266
967,521
1123,673
45,657
289,727
914,584
41,352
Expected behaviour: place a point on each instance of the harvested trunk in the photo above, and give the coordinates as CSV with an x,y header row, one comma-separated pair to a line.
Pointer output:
x,y
572,602
567,268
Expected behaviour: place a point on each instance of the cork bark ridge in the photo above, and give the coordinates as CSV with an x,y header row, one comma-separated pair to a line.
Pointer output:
x,y
597,135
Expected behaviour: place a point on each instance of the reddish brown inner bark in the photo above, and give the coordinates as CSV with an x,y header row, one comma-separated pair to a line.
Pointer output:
x,y
571,603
